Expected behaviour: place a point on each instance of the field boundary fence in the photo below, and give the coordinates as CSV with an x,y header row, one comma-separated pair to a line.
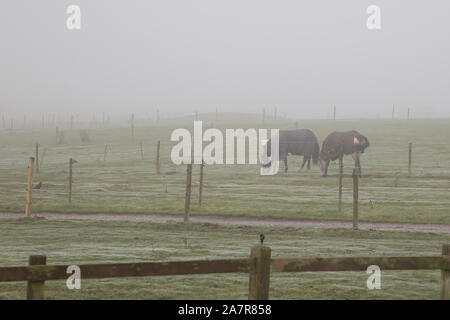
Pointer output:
x,y
259,266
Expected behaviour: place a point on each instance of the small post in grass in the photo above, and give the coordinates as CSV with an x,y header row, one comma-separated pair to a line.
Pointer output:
x,y
30,186
70,180
409,159
187,200
355,199
35,289
259,275
104,152
200,190
341,172
445,274
142,151
158,166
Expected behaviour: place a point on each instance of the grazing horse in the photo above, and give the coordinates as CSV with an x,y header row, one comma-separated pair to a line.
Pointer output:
x,y
301,142
338,144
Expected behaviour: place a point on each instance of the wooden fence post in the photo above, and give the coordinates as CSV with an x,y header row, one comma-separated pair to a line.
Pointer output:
x,y
37,157
104,152
409,159
445,274
35,289
158,167
355,199
259,277
70,180
30,186
200,190
187,200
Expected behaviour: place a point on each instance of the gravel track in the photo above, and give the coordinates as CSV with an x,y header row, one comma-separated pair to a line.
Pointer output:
x,y
233,220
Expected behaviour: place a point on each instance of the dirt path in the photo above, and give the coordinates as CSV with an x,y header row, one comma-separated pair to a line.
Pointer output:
x,y
250,221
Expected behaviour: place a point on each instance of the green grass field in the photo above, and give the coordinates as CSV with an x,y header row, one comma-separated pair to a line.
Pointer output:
x,y
79,242
125,183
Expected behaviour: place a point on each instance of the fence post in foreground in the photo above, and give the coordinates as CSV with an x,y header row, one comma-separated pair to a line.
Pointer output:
x,y
30,186
409,159
35,289
355,199
341,172
187,200
200,190
445,274
259,273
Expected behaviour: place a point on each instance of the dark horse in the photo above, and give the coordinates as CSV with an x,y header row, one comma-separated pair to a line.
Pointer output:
x,y
338,144
301,142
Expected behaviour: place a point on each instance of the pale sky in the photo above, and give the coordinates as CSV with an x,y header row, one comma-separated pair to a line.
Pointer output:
x,y
236,55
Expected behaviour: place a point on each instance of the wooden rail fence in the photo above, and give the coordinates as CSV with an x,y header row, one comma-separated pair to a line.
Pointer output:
x,y
259,267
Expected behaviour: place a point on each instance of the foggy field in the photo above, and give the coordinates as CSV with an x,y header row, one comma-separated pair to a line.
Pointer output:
x,y
92,89
81,242
125,183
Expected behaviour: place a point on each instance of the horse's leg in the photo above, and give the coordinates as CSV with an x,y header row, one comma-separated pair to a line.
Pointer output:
x,y
285,165
303,164
326,168
309,163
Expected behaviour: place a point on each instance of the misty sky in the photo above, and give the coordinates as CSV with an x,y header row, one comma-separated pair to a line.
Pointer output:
x,y
237,55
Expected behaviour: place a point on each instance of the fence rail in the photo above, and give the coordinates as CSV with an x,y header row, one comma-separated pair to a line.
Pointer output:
x,y
120,270
259,267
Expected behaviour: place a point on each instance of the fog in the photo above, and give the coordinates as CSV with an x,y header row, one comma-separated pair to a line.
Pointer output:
x,y
182,56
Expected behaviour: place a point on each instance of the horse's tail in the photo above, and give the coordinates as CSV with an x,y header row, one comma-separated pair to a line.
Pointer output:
x,y
315,154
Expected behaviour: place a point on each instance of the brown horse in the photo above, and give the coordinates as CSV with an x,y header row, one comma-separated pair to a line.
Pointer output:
x,y
338,144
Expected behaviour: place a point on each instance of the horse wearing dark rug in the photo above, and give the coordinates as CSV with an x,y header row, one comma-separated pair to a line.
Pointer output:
x,y
301,142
